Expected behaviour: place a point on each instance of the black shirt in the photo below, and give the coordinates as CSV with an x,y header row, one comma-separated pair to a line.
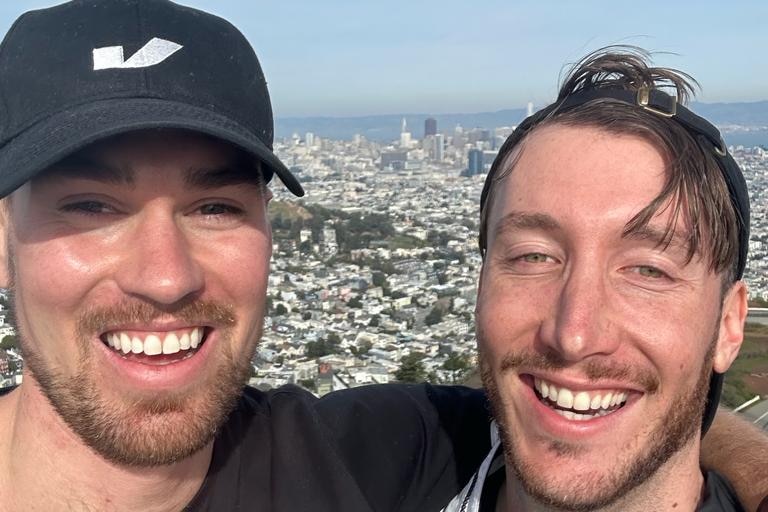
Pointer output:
x,y
376,448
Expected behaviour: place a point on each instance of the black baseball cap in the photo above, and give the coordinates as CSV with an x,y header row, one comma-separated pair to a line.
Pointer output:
x,y
82,71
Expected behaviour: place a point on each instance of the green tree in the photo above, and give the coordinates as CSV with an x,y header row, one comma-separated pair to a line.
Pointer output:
x,y
308,384
458,365
364,347
280,310
374,321
10,341
412,368
434,317
355,303
379,279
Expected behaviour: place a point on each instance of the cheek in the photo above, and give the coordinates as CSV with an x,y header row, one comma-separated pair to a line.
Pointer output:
x,y
509,315
240,265
51,283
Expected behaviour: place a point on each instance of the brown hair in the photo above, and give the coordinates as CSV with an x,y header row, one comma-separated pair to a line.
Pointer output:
x,y
694,187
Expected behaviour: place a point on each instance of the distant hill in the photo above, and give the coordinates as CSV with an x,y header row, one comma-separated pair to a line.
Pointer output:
x,y
384,128
744,114
387,127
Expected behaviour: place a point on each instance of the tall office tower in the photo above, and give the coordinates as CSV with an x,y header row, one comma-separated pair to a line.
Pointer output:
x,y
458,137
475,166
439,147
309,139
405,136
430,127
530,109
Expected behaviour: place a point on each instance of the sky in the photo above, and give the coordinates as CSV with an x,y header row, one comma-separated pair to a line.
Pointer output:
x,y
353,58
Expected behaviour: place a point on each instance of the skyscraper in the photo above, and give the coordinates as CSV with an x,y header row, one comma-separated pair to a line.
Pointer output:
x,y
430,127
439,147
475,166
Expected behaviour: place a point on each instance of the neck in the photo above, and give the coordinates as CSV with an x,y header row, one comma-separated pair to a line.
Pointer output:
x,y
676,485
46,466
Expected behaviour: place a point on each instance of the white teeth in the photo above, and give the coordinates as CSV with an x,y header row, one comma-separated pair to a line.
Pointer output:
x,y
565,398
553,393
125,343
171,344
581,401
544,388
154,344
194,338
596,402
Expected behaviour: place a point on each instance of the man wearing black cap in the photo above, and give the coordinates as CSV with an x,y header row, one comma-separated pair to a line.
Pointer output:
x,y
135,147
614,231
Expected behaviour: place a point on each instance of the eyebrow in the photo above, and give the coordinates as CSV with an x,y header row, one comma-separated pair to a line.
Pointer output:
x,y
521,220
222,177
82,167
666,238
85,168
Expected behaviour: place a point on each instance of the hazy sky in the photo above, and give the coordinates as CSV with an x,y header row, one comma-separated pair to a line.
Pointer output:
x,y
352,57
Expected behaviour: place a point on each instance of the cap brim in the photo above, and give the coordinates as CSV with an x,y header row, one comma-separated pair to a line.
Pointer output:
x,y
61,134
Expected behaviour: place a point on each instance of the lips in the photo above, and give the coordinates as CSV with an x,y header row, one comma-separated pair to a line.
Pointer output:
x,y
155,344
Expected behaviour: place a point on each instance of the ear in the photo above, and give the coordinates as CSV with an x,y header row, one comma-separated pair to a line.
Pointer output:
x,y
731,333
480,280
5,273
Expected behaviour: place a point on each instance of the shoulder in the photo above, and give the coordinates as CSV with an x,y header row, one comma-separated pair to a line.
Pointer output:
x,y
426,440
253,401
720,496
407,399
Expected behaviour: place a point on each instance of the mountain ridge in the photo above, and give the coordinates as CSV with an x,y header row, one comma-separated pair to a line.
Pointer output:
x,y
386,127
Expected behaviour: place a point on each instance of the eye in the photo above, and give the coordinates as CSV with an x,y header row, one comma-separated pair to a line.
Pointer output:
x,y
88,207
650,272
535,257
216,209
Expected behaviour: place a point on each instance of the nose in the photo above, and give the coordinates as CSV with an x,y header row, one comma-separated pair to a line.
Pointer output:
x,y
581,325
160,264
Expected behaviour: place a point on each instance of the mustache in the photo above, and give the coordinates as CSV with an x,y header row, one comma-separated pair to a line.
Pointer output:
x,y
194,312
594,369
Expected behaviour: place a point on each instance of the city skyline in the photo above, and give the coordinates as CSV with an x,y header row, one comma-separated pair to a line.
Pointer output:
x,y
353,58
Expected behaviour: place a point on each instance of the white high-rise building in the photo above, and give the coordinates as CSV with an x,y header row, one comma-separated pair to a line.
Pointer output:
x,y
405,136
439,147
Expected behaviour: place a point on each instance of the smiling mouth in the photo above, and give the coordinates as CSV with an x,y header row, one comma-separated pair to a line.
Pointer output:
x,y
171,346
578,405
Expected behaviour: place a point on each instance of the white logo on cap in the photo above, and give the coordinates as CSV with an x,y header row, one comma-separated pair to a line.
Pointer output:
x,y
152,53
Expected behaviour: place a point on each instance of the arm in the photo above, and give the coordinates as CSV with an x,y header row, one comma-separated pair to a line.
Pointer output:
x,y
739,451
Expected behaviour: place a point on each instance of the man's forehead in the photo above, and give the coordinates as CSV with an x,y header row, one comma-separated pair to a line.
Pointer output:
x,y
203,161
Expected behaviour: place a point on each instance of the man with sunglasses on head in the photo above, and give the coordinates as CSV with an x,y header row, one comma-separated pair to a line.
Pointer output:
x,y
614,233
